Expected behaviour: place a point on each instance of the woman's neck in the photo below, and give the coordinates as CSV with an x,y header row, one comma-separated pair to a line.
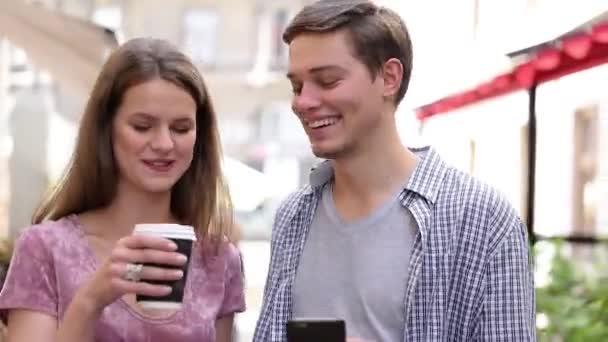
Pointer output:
x,y
129,207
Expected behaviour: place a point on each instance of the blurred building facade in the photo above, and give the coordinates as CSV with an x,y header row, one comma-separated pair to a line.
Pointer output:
x,y
236,43
489,139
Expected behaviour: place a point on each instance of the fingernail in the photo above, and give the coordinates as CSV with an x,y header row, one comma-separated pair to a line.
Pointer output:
x,y
172,245
167,289
178,274
182,258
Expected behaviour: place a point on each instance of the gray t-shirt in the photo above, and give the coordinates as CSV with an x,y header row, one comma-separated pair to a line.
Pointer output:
x,y
357,271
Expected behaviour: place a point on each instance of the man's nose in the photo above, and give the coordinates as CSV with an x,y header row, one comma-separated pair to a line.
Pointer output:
x,y
308,98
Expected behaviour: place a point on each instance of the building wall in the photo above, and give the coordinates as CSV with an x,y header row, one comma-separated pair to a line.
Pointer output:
x,y
242,71
488,141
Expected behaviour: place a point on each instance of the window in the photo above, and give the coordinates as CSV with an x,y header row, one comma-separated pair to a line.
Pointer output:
x,y
21,71
585,171
17,59
200,31
271,51
279,48
109,17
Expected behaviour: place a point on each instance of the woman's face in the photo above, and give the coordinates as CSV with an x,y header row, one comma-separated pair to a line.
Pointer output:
x,y
154,132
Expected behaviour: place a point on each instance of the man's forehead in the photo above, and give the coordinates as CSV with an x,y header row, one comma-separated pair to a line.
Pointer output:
x,y
315,42
307,55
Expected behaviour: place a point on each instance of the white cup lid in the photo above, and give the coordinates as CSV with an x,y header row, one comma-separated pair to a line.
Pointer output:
x,y
166,230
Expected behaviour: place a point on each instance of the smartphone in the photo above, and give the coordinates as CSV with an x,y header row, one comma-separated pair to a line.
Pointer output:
x,y
318,329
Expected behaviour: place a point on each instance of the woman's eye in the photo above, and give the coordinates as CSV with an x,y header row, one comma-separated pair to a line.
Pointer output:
x,y
182,130
141,128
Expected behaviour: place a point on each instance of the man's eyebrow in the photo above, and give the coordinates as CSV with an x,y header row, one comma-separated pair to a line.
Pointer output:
x,y
318,69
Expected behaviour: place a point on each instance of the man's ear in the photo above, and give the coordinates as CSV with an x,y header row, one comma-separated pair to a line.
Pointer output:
x,y
392,73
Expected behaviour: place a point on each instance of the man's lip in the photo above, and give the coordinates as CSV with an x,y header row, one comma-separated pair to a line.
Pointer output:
x,y
324,122
320,117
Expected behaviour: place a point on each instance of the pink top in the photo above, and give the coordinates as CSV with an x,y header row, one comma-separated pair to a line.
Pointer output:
x,y
51,261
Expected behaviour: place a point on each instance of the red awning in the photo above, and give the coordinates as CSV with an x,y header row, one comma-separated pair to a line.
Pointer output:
x,y
570,54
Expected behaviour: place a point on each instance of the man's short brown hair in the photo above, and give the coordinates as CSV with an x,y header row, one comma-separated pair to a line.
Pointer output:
x,y
377,34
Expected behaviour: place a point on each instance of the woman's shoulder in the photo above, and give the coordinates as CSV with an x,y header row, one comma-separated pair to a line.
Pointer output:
x,y
49,232
216,249
222,255
232,259
230,250
223,249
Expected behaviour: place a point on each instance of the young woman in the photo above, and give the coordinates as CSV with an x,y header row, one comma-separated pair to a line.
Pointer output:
x,y
148,151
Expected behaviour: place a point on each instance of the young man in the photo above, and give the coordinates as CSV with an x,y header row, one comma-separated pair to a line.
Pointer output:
x,y
398,244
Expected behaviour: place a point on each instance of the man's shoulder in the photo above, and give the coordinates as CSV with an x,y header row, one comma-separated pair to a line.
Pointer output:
x,y
477,204
290,207
295,200
470,190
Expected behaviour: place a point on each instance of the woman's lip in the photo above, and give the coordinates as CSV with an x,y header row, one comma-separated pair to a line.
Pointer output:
x,y
151,161
159,165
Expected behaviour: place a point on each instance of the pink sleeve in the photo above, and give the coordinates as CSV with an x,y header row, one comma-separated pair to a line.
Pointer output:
x,y
30,281
234,294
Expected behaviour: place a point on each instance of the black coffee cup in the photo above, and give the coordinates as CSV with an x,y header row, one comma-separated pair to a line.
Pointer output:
x,y
183,236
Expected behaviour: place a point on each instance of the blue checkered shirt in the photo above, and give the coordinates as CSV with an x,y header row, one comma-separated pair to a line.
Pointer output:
x,y
470,274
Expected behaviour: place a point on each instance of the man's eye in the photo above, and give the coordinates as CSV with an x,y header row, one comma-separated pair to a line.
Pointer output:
x,y
328,83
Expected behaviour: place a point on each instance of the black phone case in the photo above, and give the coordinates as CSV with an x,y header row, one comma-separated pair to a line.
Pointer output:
x,y
316,330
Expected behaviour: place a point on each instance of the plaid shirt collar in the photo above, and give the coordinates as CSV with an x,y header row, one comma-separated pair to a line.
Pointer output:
x,y
425,181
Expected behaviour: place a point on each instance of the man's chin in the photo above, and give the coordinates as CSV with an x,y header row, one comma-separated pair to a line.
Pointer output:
x,y
325,153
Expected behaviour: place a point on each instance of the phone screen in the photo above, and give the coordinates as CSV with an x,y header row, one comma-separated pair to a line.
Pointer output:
x,y
312,330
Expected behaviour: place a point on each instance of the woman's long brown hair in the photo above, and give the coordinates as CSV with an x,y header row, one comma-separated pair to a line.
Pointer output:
x,y
200,198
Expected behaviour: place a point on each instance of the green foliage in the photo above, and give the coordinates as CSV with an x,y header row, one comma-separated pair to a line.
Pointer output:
x,y
575,301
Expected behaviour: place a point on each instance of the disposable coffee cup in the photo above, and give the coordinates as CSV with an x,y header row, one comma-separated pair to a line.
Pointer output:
x,y
183,236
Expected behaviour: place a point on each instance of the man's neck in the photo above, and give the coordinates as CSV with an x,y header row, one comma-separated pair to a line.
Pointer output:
x,y
367,178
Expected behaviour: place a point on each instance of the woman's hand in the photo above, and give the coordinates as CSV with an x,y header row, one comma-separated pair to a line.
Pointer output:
x,y
109,283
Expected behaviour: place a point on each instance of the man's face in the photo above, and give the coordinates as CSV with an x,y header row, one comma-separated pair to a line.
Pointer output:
x,y
335,97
